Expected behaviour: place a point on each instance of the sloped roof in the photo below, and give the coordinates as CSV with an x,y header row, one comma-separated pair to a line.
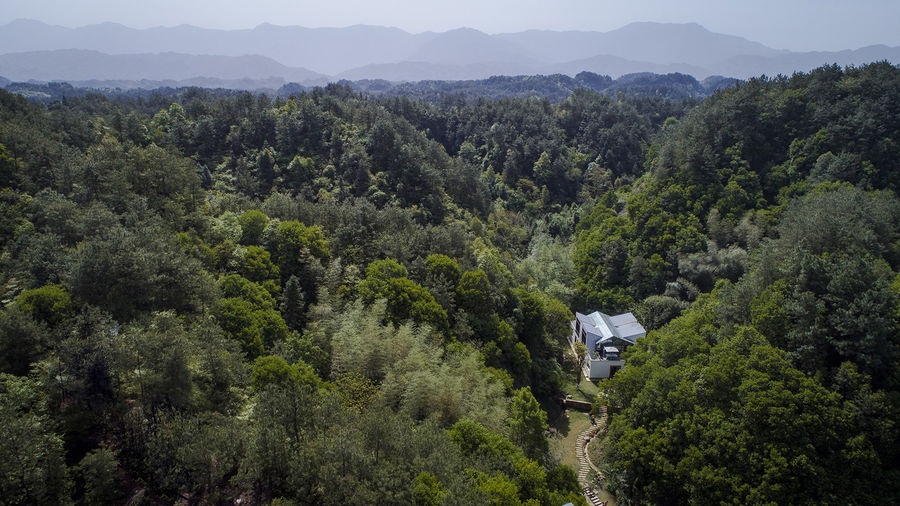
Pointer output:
x,y
627,327
624,326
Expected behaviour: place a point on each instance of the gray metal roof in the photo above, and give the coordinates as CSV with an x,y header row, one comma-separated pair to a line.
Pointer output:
x,y
624,326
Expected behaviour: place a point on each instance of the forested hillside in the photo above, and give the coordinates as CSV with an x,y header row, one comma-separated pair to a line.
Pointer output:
x,y
336,298
555,87
781,385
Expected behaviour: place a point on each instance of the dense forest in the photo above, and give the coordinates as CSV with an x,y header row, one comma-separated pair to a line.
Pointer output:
x,y
333,297
556,87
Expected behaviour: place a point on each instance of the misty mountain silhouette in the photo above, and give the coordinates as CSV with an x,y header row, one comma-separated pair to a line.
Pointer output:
x,y
35,50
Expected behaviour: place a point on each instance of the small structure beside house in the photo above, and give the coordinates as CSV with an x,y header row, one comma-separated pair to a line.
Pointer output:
x,y
605,338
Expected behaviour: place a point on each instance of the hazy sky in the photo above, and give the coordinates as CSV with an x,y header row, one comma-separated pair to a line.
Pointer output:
x,y
788,24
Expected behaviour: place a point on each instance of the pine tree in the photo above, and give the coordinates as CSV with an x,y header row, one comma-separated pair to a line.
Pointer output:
x,y
292,304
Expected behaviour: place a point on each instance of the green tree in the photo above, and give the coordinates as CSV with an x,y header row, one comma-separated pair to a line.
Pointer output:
x,y
405,299
255,264
96,474
168,181
248,313
266,167
253,223
531,478
474,292
274,370
32,467
159,363
23,341
50,304
236,317
298,247
129,272
234,285
528,424
7,168
443,267
531,321
498,489
473,439
428,490
408,300
300,171
293,304
378,273
220,373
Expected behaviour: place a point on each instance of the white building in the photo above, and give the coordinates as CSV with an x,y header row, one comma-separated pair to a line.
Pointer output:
x,y
605,337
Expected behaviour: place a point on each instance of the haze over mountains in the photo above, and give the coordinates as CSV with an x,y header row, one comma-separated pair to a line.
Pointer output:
x,y
268,53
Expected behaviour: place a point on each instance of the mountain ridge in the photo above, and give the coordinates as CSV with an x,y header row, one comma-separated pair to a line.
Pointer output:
x,y
377,52
85,65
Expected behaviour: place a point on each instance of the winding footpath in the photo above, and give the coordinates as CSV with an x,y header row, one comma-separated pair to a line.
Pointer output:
x,y
584,460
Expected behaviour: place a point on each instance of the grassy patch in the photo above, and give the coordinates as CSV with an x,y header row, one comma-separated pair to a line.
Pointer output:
x,y
587,391
562,445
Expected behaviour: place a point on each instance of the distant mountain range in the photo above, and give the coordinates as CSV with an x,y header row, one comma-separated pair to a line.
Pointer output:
x,y
32,50
83,65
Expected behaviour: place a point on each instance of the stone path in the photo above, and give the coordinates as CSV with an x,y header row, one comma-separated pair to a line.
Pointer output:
x,y
584,462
